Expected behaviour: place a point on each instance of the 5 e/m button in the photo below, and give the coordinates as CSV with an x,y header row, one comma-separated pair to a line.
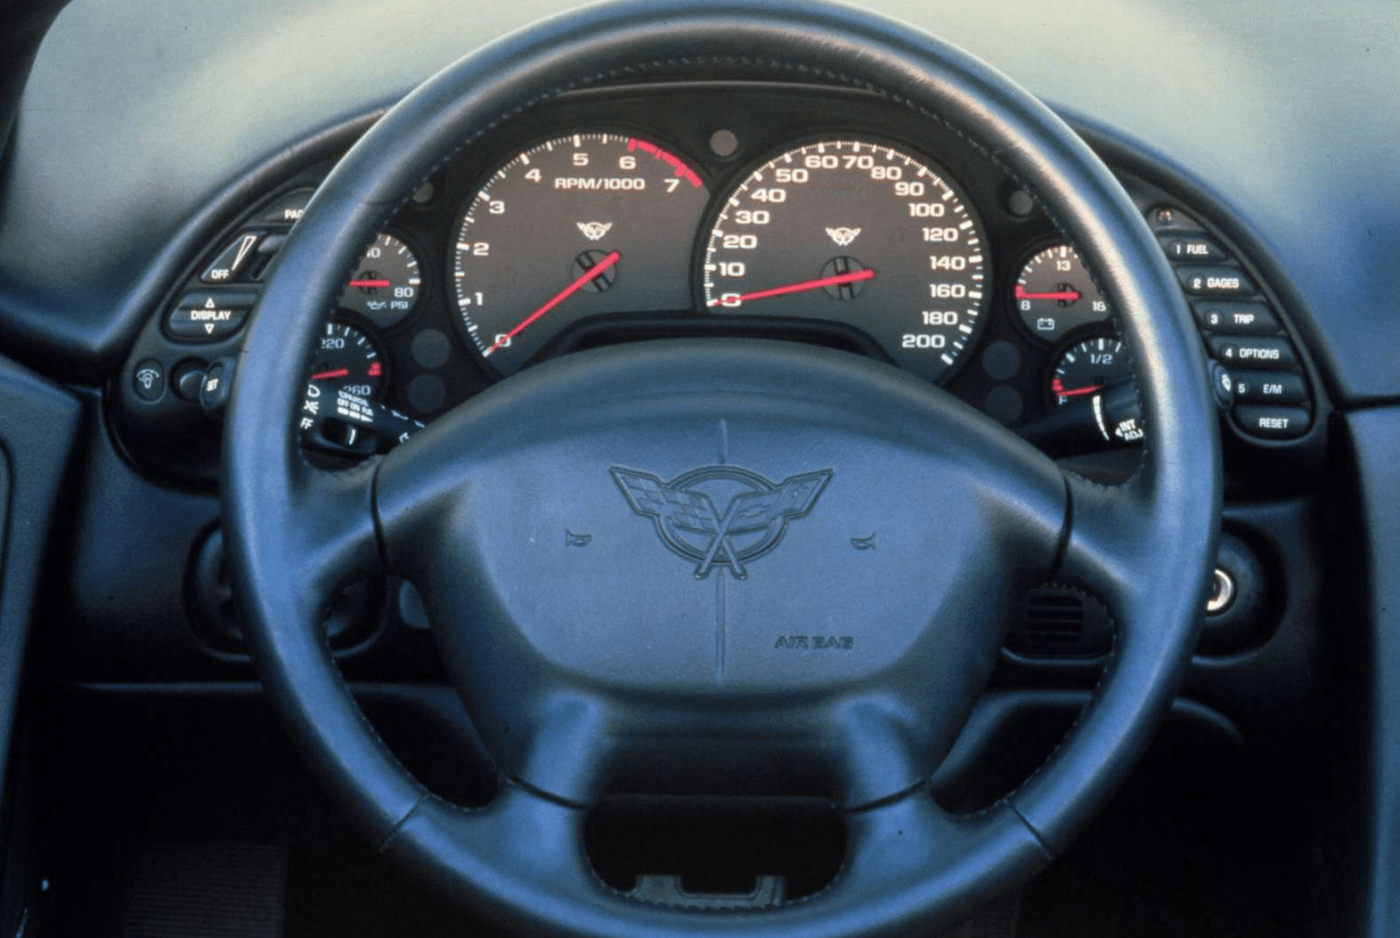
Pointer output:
x,y
1269,387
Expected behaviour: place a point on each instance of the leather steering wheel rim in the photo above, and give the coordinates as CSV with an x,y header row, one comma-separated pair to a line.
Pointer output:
x,y
295,533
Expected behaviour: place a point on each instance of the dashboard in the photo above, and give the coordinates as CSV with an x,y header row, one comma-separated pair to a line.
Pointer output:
x,y
143,214
730,209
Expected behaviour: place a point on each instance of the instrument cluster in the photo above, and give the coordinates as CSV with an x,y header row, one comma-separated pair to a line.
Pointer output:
x,y
824,216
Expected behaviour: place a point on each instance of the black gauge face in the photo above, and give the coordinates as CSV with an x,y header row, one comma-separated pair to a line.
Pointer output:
x,y
1087,367
859,233
1054,294
580,226
386,284
346,359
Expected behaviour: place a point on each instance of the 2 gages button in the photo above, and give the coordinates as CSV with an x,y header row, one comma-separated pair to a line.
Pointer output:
x,y
1252,352
209,316
1269,387
1215,281
1272,423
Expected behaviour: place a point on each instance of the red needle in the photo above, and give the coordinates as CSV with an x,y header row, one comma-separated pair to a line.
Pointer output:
x,y
333,373
1077,392
563,295
852,277
370,284
1066,296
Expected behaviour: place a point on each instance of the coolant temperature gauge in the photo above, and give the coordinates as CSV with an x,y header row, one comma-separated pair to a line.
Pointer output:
x,y
346,359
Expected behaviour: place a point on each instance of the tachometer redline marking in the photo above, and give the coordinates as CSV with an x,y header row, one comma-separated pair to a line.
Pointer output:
x,y
675,162
852,277
560,297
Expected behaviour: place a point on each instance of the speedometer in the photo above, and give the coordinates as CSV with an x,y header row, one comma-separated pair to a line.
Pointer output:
x,y
857,232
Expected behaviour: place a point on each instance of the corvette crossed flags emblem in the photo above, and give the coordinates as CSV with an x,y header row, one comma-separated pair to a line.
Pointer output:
x,y
691,523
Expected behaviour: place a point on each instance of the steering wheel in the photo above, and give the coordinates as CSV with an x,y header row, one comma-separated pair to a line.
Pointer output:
x,y
611,624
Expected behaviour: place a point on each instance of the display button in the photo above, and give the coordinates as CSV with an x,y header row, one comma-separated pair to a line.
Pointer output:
x,y
210,316
233,260
286,209
1273,423
148,380
1192,249
1269,387
1215,281
1235,317
1253,352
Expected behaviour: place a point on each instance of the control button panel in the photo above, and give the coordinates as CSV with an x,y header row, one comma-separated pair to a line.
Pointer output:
x,y
1268,387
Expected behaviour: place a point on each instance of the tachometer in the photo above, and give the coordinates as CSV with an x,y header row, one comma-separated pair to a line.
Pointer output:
x,y
579,226
857,232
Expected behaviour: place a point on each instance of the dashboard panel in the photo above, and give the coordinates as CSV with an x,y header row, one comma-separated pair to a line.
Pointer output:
x,y
136,240
651,211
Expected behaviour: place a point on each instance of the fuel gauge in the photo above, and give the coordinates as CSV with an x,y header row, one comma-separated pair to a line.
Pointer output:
x,y
1088,367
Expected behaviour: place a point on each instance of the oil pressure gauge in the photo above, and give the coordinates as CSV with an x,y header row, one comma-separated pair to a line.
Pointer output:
x,y
386,283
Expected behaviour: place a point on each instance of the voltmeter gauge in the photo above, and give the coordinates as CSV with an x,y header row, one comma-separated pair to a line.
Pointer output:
x,y
1054,294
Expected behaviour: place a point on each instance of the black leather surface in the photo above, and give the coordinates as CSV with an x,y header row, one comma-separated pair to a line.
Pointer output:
x,y
294,533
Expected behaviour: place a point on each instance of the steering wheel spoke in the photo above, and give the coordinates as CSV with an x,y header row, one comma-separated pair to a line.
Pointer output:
x,y
1104,547
333,515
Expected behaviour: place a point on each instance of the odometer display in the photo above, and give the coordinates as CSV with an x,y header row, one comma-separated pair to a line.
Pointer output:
x,y
856,232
